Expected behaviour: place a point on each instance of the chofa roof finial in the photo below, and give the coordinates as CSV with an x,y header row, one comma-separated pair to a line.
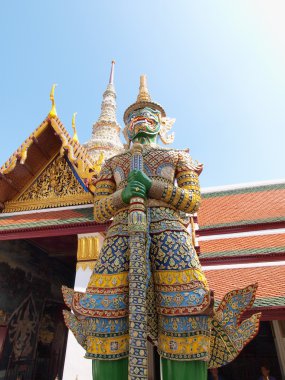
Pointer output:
x,y
75,136
52,112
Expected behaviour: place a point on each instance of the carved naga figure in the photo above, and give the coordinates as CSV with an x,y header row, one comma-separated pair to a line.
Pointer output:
x,y
148,282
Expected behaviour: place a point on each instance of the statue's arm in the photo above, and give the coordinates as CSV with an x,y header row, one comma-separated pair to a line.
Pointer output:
x,y
186,195
107,201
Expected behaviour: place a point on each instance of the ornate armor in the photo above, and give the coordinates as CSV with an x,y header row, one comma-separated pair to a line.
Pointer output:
x,y
179,293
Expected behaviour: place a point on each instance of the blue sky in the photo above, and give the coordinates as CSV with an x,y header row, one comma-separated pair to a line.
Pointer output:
x,y
218,67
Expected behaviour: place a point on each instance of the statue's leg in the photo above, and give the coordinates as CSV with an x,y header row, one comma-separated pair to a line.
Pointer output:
x,y
107,300
182,307
110,369
183,370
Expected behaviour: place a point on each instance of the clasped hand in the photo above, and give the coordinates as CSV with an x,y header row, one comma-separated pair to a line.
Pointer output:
x,y
138,186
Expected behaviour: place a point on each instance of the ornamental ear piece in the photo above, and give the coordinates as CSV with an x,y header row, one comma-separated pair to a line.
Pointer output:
x,y
166,125
128,142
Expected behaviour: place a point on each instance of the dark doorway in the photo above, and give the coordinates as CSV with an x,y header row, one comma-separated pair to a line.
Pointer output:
x,y
33,333
260,351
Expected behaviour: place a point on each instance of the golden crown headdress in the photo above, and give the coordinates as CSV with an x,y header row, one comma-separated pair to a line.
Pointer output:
x,y
144,100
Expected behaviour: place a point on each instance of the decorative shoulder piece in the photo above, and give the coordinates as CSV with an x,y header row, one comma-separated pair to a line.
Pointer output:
x,y
186,163
166,125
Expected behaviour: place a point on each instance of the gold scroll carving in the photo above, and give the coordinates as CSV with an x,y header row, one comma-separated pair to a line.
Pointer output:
x,y
56,186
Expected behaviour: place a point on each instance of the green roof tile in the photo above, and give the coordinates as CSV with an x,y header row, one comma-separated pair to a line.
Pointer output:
x,y
270,302
253,189
243,252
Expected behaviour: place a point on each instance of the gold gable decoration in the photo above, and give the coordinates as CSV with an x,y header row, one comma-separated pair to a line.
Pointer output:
x,y
56,186
84,164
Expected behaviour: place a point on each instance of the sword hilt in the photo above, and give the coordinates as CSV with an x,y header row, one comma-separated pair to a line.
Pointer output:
x,y
137,213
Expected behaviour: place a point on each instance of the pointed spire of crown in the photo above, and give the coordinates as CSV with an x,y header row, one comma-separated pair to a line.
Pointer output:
x,y
143,95
143,100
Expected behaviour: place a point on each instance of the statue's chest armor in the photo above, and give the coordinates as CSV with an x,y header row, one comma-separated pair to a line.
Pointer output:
x,y
157,163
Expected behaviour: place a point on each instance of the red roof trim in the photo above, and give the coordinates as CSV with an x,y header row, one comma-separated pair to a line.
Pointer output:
x,y
267,313
242,259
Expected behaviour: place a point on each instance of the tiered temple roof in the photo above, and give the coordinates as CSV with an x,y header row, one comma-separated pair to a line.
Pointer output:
x,y
262,246
241,240
44,152
241,207
270,297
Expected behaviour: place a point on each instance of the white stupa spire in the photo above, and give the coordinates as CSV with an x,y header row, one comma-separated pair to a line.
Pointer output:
x,y
106,131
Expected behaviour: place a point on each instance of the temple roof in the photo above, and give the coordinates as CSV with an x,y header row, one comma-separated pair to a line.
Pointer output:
x,y
242,223
48,141
270,278
241,241
263,246
242,206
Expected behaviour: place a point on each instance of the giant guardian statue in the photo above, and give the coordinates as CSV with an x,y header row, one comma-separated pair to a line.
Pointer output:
x,y
148,284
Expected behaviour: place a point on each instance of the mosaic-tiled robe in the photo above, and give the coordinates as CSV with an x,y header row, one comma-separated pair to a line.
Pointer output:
x,y
179,301
178,296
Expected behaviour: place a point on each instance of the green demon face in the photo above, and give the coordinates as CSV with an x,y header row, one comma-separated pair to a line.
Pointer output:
x,y
144,122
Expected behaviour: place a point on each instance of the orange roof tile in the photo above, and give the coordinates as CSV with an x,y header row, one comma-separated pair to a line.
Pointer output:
x,y
242,206
241,246
271,282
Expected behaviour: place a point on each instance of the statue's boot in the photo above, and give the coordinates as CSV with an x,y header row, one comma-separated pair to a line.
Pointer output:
x,y
183,370
110,369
